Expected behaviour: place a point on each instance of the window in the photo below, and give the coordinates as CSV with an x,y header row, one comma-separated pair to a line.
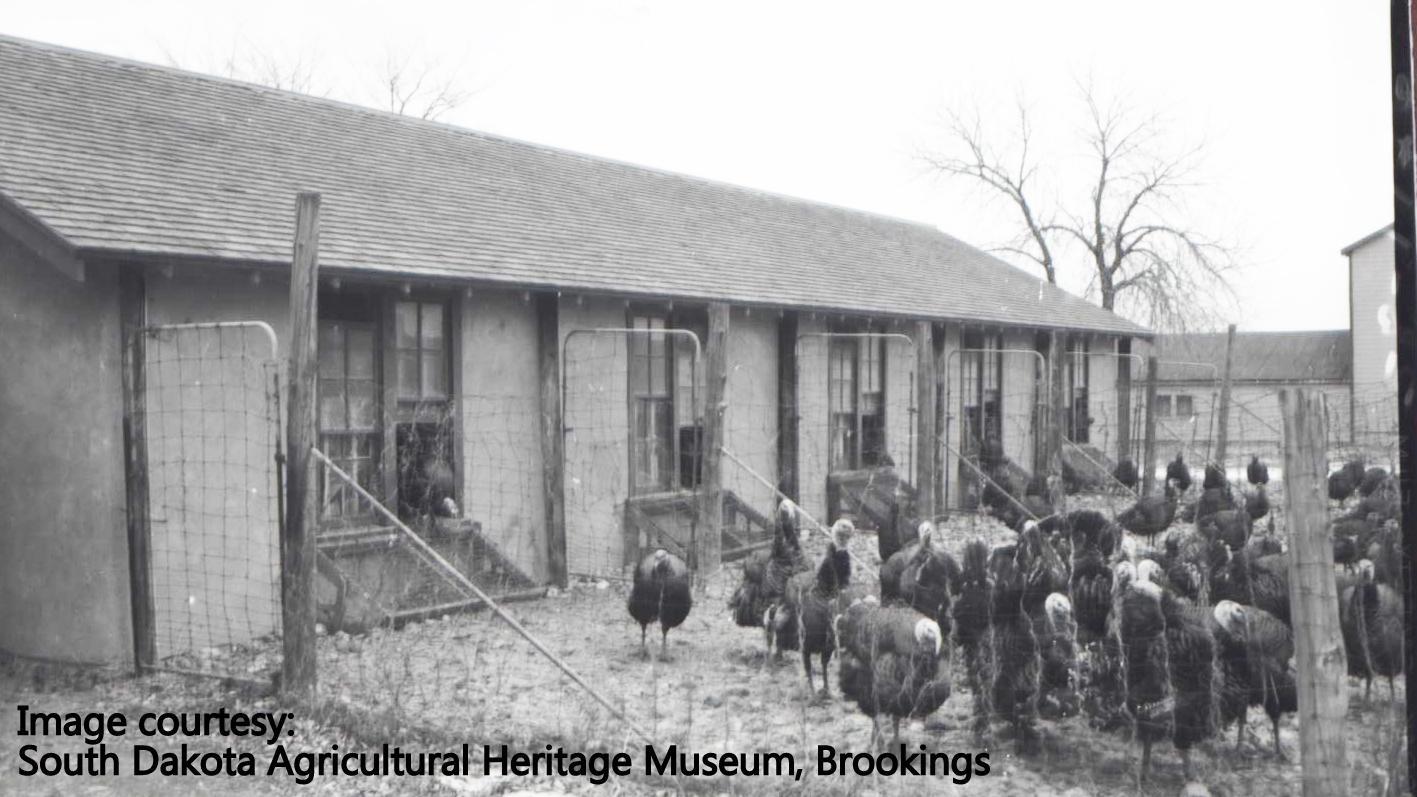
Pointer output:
x,y
348,413
666,403
1163,406
420,344
1075,384
423,422
981,380
856,398
1185,407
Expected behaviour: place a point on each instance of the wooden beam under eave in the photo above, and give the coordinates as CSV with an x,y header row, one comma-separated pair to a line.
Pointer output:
x,y
44,242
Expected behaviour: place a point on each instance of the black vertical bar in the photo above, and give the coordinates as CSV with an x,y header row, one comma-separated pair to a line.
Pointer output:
x,y
133,313
1403,228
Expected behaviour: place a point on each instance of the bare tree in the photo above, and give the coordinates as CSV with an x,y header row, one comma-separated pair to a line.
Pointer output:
x,y
424,91
1143,258
252,64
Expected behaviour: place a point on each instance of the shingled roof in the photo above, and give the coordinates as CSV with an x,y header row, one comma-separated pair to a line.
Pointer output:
x,y
1323,356
117,157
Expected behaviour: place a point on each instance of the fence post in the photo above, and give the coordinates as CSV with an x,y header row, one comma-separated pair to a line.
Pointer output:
x,y
709,544
297,547
132,311
553,460
1057,415
925,418
1222,432
1124,399
787,404
1148,456
1319,652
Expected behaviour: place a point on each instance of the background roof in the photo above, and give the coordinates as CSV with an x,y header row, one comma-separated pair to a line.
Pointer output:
x,y
119,156
1259,356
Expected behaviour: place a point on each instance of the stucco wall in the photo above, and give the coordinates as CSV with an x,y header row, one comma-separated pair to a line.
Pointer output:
x,y
812,416
63,539
503,481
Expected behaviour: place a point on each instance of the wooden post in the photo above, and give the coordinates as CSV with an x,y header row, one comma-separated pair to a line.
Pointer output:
x,y
941,417
1319,653
787,404
1222,432
1124,399
925,419
1057,415
1148,456
132,312
709,544
302,508
553,463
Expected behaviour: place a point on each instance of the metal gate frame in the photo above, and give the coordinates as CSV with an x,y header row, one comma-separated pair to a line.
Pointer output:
x,y
134,354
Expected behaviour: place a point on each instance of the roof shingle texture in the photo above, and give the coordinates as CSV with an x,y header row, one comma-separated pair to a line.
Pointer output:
x,y
1324,356
118,156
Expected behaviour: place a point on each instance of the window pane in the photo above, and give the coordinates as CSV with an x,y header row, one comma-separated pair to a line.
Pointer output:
x,y
435,374
360,358
361,404
408,374
431,332
331,350
332,404
406,325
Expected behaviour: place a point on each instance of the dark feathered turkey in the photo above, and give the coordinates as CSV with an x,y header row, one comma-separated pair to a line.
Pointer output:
x,y
803,619
1371,616
766,573
1214,477
1257,652
1151,514
662,592
1126,473
1257,472
1176,471
893,662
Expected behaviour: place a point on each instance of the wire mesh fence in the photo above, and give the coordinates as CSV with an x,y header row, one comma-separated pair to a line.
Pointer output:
x,y
210,401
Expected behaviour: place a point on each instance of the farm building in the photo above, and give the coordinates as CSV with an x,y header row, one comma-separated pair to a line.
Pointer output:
x,y
475,369
1189,376
1372,310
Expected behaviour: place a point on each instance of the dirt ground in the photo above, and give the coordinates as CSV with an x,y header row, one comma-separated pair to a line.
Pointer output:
x,y
470,678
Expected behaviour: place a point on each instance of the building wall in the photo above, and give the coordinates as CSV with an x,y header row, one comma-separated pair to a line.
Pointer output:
x,y
812,415
1255,426
213,430
1102,395
1021,395
597,457
502,462
1374,327
63,538
751,422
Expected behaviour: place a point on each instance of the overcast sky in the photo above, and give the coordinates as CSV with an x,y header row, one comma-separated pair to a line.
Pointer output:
x,y
834,102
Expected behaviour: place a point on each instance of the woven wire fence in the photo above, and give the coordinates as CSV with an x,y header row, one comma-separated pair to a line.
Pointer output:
x,y
210,407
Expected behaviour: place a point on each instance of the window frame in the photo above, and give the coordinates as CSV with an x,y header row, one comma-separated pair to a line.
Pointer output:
x,y
681,398
976,368
352,312
863,356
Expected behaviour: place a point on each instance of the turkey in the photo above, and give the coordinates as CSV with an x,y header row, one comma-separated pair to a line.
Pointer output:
x,y
766,573
1256,650
898,531
1373,479
1055,630
1384,549
803,619
1343,482
1212,500
929,581
972,612
1092,529
1126,473
1090,586
1214,477
1230,526
1151,514
1257,503
661,591
892,662
1257,472
894,566
1024,574
1176,471
1169,655
1259,581
1371,616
